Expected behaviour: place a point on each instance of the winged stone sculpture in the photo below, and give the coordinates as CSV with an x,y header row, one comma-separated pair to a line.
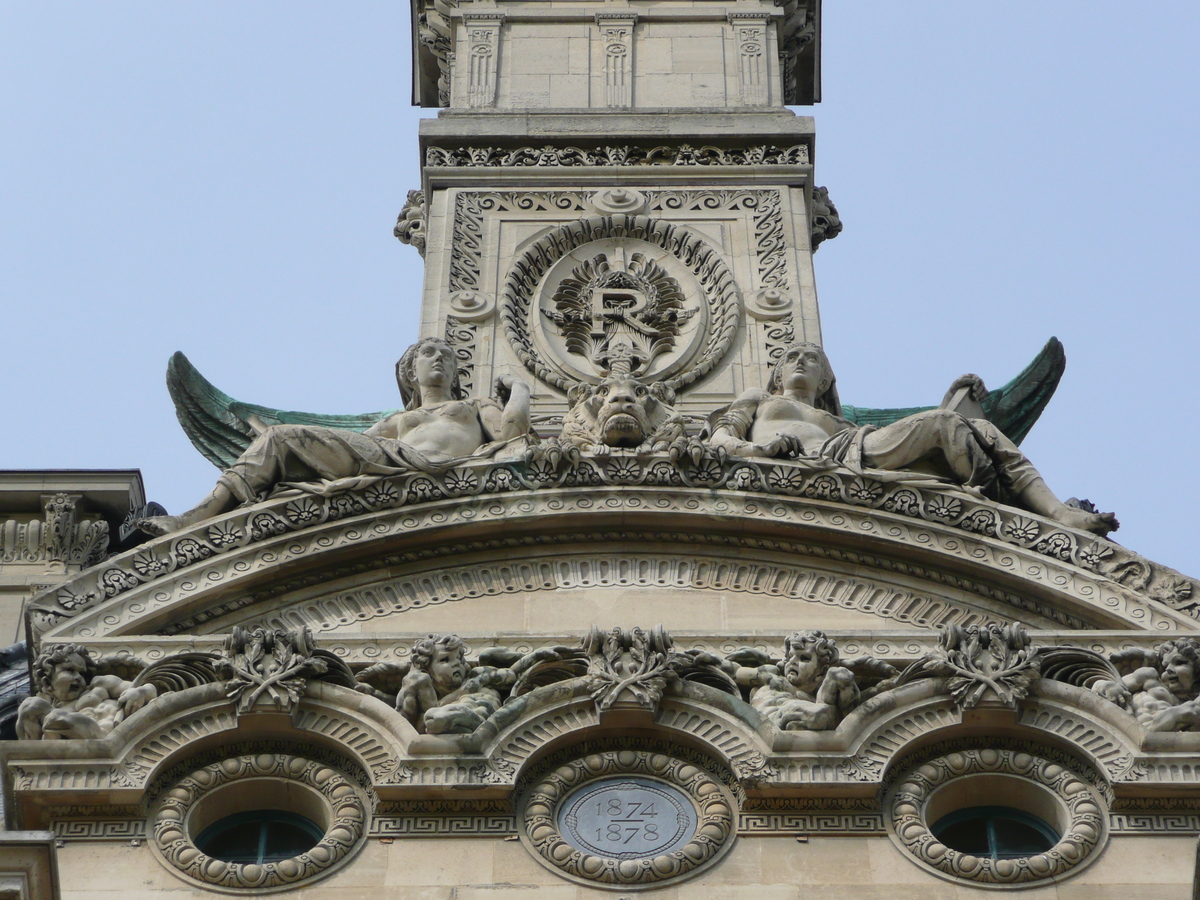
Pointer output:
x,y
222,428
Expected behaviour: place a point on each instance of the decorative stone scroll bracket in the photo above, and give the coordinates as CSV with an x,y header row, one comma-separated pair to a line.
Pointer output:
x,y
483,57
616,36
60,536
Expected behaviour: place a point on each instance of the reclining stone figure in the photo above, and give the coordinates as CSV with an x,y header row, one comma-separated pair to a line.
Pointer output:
x,y
799,415
438,428
440,692
1160,687
73,701
808,690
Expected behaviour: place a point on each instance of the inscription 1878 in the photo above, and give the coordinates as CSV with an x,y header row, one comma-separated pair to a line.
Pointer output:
x,y
627,818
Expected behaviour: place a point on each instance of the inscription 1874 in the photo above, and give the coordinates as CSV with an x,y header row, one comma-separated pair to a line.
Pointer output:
x,y
627,818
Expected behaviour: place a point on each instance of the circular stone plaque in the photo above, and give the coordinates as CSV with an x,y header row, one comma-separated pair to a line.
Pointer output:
x,y
627,818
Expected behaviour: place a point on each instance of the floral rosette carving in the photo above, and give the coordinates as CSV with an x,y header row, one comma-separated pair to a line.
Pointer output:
x,y
347,822
714,827
1084,829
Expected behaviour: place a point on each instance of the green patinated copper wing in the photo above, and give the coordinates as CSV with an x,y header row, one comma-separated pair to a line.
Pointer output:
x,y
221,428
1013,408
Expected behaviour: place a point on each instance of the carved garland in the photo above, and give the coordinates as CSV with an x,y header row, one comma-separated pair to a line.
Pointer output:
x,y
346,828
720,288
714,827
910,829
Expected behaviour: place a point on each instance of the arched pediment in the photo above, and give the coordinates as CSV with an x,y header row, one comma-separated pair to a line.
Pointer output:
x,y
936,556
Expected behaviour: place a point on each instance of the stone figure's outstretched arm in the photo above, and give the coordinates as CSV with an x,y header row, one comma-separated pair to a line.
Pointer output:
x,y
732,427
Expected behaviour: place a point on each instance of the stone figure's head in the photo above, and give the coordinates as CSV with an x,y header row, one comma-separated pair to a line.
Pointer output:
x,y
1179,662
625,411
804,365
61,673
808,655
430,361
444,659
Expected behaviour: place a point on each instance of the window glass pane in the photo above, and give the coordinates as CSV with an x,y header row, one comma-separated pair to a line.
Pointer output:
x,y
1015,838
995,831
256,837
285,840
966,835
236,843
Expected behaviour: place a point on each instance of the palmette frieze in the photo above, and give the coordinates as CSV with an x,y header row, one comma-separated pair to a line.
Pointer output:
x,y
827,498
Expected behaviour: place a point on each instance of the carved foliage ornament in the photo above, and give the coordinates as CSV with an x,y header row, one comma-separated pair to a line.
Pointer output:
x,y
347,821
277,665
1084,820
631,665
59,536
701,843
620,155
977,659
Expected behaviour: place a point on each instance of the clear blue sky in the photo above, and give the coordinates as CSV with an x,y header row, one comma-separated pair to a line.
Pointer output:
x,y
222,178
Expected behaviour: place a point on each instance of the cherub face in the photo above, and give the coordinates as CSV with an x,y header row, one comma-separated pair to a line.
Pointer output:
x,y
802,667
68,682
1178,674
447,669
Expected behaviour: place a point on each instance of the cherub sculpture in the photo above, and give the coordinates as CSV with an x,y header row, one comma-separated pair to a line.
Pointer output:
x,y
73,701
438,428
440,692
799,415
808,690
1160,687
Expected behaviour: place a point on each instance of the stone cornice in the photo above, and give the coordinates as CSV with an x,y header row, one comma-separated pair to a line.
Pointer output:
x,y
772,503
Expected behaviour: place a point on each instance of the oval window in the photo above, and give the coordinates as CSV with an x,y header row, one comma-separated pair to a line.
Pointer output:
x,y
259,837
995,832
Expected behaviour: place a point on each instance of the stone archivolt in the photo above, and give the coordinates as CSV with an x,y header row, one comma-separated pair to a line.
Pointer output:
x,y
1090,578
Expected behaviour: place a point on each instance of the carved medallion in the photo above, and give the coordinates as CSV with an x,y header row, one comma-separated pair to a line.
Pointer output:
x,y
627,818
624,818
620,293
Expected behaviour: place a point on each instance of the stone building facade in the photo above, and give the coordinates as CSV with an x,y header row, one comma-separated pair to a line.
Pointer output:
x,y
624,599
